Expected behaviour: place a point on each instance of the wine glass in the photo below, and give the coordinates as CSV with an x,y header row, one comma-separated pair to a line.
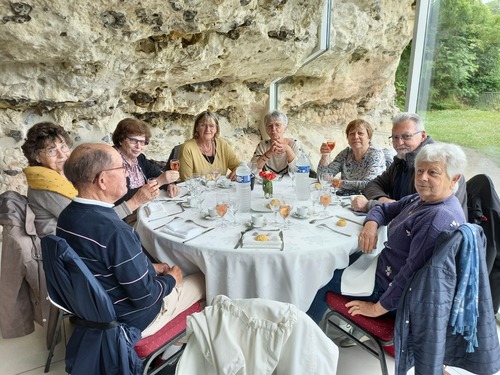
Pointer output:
x,y
175,164
325,198
331,146
325,179
274,205
286,206
234,206
314,199
291,172
221,206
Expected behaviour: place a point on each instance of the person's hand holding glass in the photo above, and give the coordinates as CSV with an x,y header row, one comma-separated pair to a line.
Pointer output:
x,y
325,150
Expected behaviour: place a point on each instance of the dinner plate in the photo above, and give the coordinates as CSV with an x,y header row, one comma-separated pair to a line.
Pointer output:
x,y
260,205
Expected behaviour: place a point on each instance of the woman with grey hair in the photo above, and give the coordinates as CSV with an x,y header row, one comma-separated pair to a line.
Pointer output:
x,y
416,222
279,153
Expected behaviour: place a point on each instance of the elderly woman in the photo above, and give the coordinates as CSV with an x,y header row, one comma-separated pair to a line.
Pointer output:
x,y
206,151
279,153
47,147
129,138
415,224
358,164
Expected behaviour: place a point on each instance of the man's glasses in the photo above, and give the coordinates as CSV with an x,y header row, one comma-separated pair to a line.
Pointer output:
x,y
123,167
404,137
54,151
136,141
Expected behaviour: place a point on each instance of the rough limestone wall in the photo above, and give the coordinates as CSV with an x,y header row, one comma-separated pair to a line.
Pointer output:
x,y
87,65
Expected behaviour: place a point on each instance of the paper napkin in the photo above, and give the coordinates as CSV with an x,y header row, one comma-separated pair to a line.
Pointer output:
x,y
180,228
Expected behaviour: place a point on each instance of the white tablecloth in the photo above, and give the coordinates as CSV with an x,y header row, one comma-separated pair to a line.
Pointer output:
x,y
294,275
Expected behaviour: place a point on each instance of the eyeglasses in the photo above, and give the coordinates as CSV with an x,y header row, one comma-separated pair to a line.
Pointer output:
x,y
404,137
210,126
123,167
277,126
53,152
136,141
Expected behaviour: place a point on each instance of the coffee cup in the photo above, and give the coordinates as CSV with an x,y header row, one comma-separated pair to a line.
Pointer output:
x,y
302,211
258,220
212,212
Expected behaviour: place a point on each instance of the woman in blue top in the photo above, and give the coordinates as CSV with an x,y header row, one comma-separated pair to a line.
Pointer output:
x,y
358,164
413,225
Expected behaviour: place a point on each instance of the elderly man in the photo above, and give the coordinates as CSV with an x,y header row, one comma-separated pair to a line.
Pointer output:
x,y
144,295
408,138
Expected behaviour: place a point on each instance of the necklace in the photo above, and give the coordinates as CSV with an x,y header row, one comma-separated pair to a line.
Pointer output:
x,y
206,150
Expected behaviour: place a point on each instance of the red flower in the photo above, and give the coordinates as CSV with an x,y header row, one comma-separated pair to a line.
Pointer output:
x,y
267,175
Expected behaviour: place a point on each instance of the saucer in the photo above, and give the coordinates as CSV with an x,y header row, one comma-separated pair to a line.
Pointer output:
x,y
297,216
252,225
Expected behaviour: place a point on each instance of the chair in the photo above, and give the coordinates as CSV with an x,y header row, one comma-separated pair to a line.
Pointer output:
x,y
380,331
99,343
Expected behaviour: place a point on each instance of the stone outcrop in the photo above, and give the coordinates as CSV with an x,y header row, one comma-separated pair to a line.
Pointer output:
x,y
87,65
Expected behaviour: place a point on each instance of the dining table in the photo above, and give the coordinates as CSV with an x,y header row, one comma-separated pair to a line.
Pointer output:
x,y
290,265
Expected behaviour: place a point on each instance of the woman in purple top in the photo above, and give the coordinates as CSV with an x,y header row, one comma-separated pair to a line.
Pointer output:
x,y
414,223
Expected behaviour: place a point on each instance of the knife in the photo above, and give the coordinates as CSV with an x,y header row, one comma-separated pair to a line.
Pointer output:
x,y
192,238
282,242
240,241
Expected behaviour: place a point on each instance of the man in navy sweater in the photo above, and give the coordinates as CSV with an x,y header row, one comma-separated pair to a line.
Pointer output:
x,y
144,295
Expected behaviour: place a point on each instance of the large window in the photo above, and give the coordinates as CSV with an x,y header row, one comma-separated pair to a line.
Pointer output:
x,y
454,73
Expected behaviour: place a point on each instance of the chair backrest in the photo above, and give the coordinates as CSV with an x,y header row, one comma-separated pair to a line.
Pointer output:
x,y
99,344
174,154
424,332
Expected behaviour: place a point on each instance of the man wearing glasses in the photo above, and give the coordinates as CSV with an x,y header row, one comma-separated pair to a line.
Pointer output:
x,y
408,138
144,295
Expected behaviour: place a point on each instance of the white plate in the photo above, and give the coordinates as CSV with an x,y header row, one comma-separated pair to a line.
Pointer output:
x,y
260,205
251,225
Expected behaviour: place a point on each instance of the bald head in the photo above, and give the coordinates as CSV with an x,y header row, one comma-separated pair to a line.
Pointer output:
x,y
94,169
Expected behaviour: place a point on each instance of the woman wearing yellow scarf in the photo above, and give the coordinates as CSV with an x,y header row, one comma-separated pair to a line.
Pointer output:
x,y
47,147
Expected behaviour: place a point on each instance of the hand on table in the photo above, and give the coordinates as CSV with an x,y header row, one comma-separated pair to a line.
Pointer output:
x,y
360,204
172,190
368,237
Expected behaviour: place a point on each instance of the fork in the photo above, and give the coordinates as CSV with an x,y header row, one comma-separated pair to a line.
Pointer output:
x,y
194,222
333,230
322,218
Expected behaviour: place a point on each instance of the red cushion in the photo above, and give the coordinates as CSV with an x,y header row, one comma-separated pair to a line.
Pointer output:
x,y
381,327
170,330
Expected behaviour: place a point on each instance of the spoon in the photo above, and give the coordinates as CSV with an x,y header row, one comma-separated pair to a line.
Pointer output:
x,y
333,230
322,218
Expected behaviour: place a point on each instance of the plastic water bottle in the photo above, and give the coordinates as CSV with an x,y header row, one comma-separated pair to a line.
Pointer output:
x,y
243,192
302,178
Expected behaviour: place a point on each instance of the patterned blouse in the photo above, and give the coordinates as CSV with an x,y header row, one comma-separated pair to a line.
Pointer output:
x,y
356,174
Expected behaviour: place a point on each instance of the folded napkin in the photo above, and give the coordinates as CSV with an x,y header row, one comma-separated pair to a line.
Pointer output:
x,y
180,228
358,279
161,208
274,242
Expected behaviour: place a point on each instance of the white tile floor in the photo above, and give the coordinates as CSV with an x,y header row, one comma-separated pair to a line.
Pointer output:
x,y
27,356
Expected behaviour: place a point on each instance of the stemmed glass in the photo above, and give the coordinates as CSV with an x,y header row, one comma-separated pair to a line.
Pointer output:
x,y
222,202
234,206
325,198
331,146
291,173
286,206
314,199
274,205
325,179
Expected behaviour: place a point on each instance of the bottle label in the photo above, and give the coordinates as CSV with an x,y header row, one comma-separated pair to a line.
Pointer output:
x,y
243,179
303,169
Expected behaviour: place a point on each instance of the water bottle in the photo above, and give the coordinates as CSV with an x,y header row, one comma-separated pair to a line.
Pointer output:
x,y
302,178
243,175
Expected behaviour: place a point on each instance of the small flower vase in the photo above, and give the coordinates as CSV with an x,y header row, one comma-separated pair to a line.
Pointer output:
x,y
267,187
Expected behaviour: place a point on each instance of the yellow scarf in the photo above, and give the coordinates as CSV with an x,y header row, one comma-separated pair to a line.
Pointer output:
x,y
41,178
